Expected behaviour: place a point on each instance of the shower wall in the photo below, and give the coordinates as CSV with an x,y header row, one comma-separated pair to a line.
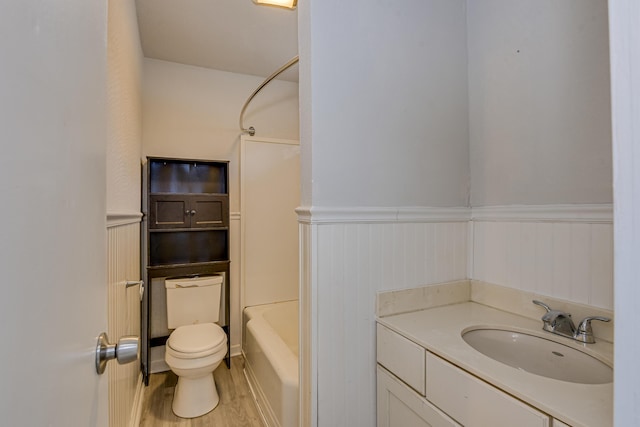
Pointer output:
x,y
270,196
193,112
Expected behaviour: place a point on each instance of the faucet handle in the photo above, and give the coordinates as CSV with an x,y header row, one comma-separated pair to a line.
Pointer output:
x,y
541,304
584,333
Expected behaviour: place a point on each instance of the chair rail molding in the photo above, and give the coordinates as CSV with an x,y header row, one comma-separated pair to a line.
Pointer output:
x,y
116,219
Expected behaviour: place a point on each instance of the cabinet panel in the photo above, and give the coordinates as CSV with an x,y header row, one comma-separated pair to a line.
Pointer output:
x,y
399,406
472,402
169,211
402,357
209,211
558,423
188,211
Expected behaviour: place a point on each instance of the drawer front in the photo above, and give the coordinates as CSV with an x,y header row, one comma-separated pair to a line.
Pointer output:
x,y
472,402
402,357
400,406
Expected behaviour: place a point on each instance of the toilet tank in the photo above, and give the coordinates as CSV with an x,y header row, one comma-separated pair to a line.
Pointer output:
x,y
193,300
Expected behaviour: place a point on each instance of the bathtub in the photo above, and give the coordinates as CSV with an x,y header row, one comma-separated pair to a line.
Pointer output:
x,y
270,349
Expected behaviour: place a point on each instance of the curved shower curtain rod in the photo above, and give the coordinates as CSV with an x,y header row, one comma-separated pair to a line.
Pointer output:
x,y
251,130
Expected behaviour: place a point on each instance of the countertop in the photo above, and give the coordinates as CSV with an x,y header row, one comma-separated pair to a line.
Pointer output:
x,y
439,331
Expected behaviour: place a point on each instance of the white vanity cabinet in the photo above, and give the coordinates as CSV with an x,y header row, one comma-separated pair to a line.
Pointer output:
x,y
418,388
401,384
400,406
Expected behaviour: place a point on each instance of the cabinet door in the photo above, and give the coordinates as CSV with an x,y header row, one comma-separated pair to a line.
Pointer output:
x,y
209,211
399,406
169,211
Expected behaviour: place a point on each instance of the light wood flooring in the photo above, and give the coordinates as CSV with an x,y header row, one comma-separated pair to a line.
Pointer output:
x,y
236,407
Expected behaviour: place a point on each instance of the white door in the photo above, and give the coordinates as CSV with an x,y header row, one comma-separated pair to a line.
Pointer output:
x,y
52,211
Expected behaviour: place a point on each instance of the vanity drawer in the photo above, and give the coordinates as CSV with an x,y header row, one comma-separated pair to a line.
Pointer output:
x,y
472,402
405,359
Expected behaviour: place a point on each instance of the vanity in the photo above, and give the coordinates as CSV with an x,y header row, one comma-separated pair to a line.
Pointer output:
x,y
429,375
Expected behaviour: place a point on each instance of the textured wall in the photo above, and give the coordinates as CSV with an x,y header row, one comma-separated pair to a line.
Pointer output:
x,y
124,75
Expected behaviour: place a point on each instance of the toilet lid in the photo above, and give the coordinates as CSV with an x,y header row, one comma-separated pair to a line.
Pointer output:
x,y
196,338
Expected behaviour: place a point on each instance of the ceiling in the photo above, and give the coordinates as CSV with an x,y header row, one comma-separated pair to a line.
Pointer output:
x,y
229,35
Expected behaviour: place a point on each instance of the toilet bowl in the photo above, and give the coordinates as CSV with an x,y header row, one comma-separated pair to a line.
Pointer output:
x,y
193,352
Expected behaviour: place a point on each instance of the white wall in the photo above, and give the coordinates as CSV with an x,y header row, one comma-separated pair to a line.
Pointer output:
x,y
124,74
384,115
193,112
124,142
569,259
539,109
270,196
625,77
383,127
388,103
540,135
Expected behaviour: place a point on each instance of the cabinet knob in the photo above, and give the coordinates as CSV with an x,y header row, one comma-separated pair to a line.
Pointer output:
x,y
193,212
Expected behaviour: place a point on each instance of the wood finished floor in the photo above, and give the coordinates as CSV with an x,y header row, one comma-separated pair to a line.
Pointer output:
x,y
236,407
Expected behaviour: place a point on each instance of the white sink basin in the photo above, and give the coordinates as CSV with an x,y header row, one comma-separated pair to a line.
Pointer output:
x,y
538,355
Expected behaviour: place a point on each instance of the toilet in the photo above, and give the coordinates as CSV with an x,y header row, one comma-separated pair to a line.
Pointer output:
x,y
197,345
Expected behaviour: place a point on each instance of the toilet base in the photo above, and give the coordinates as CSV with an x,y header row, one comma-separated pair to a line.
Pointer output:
x,y
195,397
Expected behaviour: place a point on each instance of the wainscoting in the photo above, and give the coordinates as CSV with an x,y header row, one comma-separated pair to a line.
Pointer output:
x,y
346,257
123,263
562,252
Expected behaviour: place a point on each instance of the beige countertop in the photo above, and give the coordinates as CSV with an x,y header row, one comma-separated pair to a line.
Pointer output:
x,y
439,331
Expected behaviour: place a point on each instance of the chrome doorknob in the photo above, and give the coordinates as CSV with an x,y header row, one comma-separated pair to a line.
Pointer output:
x,y
125,351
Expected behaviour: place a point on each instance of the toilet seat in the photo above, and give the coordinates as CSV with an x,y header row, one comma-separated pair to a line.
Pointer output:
x,y
194,341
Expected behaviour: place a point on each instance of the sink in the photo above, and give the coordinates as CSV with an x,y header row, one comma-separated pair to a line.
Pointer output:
x,y
538,355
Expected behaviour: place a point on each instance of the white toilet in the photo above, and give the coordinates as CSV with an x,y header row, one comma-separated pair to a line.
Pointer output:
x,y
197,345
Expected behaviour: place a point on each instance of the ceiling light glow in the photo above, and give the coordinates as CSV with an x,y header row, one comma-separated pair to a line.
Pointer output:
x,y
290,4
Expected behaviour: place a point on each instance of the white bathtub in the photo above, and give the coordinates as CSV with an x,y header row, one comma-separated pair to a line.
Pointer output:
x,y
270,348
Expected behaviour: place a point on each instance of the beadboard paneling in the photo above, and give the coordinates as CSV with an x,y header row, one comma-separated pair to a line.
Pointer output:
x,y
343,266
566,260
123,263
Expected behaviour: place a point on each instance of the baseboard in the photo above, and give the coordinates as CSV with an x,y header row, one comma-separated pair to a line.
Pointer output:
x,y
236,350
136,411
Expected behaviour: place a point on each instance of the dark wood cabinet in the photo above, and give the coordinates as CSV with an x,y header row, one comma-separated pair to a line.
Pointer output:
x,y
188,211
185,231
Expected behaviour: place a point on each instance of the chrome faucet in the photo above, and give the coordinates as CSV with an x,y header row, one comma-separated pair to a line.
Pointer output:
x,y
560,323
